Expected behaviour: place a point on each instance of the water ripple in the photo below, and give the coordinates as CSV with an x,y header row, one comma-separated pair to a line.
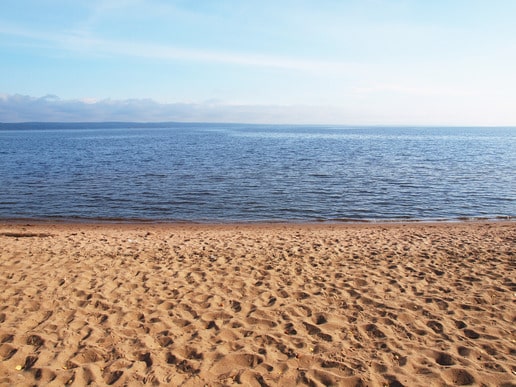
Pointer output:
x,y
215,172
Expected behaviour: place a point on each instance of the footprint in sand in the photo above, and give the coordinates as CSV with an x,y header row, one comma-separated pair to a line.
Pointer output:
x,y
35,340
459,377
471,334
444,359
112,377
29,362
8,338
7,351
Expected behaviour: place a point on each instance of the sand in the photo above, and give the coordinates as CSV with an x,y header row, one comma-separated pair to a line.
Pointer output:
x,y
351,305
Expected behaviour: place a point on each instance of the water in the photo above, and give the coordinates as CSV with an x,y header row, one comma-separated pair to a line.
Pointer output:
x,y
246,173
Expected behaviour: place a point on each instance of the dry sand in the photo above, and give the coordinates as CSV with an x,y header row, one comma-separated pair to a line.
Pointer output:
x,y
351,305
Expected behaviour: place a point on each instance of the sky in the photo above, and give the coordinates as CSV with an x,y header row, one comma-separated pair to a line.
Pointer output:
x,y
349,62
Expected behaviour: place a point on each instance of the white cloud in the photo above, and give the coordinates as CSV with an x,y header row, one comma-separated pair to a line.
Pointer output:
x,y
49,108
21,108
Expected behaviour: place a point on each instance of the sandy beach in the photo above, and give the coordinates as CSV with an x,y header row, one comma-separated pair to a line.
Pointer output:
x,y
416,304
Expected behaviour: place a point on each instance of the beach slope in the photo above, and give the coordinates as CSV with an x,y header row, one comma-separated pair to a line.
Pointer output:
x,y
353,305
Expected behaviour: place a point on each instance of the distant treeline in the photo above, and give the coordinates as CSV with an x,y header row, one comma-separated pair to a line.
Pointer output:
x,y
84,125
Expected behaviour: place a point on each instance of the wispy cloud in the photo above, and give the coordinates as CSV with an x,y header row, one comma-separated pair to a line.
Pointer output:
x,y
86,44
169,52
418,90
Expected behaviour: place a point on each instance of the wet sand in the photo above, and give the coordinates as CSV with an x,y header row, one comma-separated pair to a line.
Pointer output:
x,y
352,305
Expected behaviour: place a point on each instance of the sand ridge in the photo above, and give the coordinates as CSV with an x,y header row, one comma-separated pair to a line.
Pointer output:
x,y
350,305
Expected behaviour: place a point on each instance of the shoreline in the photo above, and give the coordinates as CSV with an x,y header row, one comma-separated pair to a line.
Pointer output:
x,y
294,222
229,227
411,304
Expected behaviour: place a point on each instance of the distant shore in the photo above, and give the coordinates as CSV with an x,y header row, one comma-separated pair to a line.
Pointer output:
x,y
388,303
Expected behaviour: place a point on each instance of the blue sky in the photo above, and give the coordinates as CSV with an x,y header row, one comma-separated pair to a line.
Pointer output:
x,y
426,62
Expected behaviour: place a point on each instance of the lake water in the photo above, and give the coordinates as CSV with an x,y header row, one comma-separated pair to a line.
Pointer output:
x,y
247,173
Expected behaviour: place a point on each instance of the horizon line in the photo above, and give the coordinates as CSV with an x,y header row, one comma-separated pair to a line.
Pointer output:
x,y
254,124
